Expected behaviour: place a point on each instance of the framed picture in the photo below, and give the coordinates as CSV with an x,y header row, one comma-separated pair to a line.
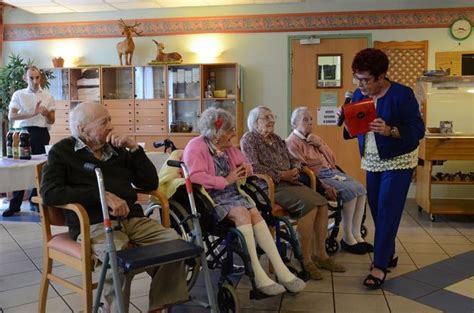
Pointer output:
x,y
329,71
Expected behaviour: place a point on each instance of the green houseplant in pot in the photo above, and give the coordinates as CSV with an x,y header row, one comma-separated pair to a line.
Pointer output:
x,y
11,80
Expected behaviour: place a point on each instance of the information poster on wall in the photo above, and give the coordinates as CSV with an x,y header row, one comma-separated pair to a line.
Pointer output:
x,y
327,116
328,106
328,99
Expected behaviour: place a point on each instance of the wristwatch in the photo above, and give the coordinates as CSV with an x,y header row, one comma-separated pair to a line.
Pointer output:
x,y
393,131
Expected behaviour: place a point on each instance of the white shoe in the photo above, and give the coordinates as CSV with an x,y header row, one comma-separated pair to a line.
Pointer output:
x,y
272,290
295,285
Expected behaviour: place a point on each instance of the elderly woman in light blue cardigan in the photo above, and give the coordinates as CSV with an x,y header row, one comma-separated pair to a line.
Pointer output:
x,y
214,163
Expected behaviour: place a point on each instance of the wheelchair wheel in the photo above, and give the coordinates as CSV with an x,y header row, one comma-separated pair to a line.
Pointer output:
x,y
363,231
227,299
177,215
331,245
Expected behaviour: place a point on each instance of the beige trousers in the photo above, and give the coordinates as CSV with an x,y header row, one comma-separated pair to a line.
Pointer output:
x,y
168,284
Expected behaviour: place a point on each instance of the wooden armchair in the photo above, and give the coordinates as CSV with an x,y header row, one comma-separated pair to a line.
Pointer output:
x,y
277,210
60,247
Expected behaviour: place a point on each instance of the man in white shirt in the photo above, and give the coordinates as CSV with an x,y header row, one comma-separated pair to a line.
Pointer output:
x,y
31,108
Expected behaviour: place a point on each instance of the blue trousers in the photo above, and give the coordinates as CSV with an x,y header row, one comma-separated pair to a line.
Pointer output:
x,y
39,137
387,192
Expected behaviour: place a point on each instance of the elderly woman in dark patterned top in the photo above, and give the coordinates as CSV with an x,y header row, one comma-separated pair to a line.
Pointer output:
x,y
268,154
215,164
316,154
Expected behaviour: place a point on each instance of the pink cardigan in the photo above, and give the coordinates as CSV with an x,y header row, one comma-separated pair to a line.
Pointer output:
x,y
314,158
200,164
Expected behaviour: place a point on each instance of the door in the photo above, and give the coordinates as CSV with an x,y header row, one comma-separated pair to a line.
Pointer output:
x,y
304,92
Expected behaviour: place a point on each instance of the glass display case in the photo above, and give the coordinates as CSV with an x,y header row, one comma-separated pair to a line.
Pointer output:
x,y
184,94
117,83
445,177
220,89
184,81
59,85
85,84
150,82
447,98
226,104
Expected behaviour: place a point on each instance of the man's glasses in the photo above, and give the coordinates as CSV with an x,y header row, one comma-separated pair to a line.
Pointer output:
x,y
268,117
361,80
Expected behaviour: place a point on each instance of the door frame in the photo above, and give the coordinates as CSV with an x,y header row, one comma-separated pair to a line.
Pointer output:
x,y
368,36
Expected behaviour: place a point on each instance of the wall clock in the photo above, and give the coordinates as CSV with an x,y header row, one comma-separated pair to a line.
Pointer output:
x,y
461,29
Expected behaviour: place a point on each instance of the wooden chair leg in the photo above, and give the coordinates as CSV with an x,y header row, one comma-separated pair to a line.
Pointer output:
x,y
87,292
43,296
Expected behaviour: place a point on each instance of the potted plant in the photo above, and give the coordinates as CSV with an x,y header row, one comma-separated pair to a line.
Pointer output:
x,y
11,80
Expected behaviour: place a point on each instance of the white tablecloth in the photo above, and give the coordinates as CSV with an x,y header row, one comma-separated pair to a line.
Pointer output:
x,y
18,174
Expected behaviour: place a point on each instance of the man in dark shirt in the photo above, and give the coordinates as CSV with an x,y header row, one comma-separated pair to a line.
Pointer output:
x,y
123,163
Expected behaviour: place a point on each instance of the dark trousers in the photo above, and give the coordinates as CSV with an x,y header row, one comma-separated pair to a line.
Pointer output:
x,y
387,192
39,137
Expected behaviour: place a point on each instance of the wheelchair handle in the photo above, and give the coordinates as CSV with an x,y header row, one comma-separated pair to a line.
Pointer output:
x,y
91,167
174,163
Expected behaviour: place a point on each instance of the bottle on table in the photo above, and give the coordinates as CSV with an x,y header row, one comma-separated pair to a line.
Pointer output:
x,y
16,143
10,143
25,145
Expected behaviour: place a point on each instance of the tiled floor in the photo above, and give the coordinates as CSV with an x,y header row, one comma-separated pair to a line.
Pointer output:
x,y
420,244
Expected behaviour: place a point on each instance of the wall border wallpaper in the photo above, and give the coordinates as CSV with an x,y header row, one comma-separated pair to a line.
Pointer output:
x,y
292,22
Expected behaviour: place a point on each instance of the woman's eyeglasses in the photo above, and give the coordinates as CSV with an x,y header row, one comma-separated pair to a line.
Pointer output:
x,y
361,80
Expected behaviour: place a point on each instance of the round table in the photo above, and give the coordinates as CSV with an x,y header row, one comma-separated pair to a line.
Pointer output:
x,y
16,174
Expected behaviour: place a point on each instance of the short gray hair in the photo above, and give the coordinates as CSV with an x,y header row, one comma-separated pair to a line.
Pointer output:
x,y
207,123
296,115
83,113
253,117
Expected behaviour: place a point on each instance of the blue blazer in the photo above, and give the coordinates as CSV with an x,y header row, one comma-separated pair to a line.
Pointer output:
x,y
399,108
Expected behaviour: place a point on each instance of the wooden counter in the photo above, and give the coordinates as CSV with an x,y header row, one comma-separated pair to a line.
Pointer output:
x,y
442,147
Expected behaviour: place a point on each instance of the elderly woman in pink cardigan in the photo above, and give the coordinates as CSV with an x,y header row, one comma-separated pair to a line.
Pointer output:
x,y
215,164
316,154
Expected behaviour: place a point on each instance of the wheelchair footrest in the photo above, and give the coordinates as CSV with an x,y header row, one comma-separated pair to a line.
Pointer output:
x,y
156,254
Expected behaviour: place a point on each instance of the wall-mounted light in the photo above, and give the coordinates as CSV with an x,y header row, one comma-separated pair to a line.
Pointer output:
x,y
207,48
69,50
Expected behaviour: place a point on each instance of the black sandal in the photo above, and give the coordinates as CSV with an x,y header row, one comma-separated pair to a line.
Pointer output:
x,y
376,282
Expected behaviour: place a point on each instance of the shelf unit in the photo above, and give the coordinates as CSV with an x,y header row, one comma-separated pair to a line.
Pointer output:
x,y
69,87
445,98
152,102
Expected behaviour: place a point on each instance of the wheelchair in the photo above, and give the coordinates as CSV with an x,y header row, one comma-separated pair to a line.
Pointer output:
x,y
335,215
223,242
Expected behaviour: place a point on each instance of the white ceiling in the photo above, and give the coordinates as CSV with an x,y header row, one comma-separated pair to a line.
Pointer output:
x,y
76,6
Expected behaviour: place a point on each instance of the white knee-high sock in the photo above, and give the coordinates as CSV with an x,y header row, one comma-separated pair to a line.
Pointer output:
x,y
358,216
348,210
261,278
265,241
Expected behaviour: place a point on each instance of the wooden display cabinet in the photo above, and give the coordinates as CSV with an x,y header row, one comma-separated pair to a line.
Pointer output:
x,y
225,80
150,121
445,99
184,102
151,103
69,87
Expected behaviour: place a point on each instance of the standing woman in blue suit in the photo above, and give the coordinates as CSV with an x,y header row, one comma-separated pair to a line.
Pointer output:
x,y
389,153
